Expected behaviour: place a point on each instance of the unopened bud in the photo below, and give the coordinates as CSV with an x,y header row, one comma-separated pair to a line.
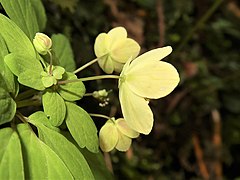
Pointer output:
x,y
42,43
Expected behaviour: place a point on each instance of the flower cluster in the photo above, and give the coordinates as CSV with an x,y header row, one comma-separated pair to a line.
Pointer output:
x,y
142,78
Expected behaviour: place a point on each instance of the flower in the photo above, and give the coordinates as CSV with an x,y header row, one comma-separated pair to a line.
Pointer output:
x,y
114,49
116,134
42,43
142,79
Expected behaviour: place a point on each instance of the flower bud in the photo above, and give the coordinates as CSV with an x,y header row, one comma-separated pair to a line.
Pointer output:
x,y
42,43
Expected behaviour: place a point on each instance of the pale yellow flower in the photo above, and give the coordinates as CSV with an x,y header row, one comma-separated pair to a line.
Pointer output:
x,y
116,134
114,49
145,78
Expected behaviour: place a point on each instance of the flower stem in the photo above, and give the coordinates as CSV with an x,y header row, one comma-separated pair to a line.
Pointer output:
x,y
86,65
90,79
100,77
99,115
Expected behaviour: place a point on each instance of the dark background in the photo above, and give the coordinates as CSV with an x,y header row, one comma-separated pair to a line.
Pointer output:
x,y
196,133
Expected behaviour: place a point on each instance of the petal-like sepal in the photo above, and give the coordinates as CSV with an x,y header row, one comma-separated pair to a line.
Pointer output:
x,y
154,80
125,129
136,111
108,136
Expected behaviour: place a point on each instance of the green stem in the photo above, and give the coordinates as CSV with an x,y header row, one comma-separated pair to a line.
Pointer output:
x,y
85,66
99,115
203,19
21,117
28,102
50,62
26,94
100,77
90,79
88,94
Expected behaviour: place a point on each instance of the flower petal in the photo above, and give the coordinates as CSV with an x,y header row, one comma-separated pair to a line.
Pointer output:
x,y
124,142
117,34
136,111
154,80
118,66
125,129
106,64
148,57
124,50
101,45
108,136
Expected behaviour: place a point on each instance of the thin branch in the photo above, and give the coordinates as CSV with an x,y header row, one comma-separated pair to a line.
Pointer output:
x,y
199,155
217,142
161,23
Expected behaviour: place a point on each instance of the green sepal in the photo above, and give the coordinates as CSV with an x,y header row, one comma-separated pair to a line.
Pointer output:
x,y
71,91
11,160
27,69
82,127
54,107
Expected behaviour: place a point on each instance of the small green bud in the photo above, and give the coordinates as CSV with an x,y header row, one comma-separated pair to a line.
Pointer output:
x,y
42,43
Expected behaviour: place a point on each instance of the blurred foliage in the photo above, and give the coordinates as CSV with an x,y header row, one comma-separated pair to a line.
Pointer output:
x,y
209,64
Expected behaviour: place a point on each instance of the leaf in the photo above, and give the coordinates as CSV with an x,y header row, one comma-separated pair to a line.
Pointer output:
x,y
63,52
70,155
40,161
72,91
11,160
54,106
22,13
7,106
15,38
4,70
97,165
27,69
40,118
40,14
81,127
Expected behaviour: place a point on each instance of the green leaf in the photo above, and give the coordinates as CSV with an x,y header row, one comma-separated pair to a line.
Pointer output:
x,y
4,70
27,69
72,91
97,165
11,160
63,52
15,38
40,13
54,107
22,13
69,153
40,161
40,118
82,127
7,106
